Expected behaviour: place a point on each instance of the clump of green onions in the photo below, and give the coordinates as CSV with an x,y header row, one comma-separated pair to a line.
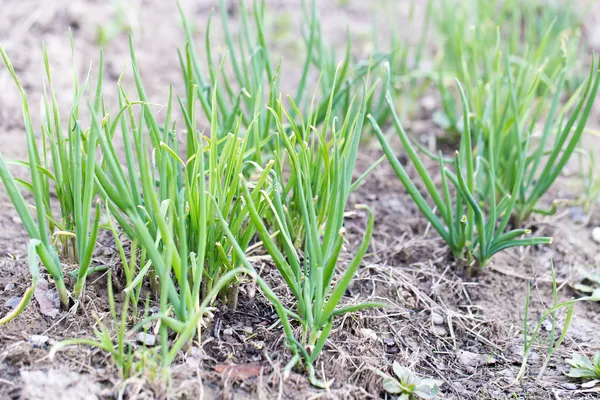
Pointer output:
x,y
471,231
310,278
256,78
64,166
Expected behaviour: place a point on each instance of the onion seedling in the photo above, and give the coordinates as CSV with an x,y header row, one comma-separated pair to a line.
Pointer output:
x,y
256,79
560,136
469,229
65,165
311,277
160,196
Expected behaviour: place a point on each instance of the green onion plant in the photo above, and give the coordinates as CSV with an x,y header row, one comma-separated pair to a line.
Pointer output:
x,y
62,165
160,195
310,275
501,131
465,211
560,137
255,78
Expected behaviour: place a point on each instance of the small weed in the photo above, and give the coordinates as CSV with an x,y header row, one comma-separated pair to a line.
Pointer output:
x,y
408,385
585,369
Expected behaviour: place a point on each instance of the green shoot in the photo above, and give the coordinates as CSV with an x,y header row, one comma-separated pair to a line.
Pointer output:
x,y
545,165
462,222
529,338
310,279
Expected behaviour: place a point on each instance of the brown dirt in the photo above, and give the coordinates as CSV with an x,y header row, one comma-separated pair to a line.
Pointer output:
x,y
475,350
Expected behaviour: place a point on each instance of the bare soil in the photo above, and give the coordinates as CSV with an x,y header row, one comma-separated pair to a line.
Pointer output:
x,y
467,332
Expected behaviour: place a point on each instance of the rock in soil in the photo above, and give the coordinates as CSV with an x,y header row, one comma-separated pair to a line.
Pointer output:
x,y
368,334
470,360
12,302
248,330
47,299
38,340
569,386
437,319
596,234
147,339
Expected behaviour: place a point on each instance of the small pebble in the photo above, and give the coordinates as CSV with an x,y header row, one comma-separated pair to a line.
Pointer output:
x,y
439,331
428,103
12,302
507,373
146,339
437,319
38,340
470,359
569,386
228,332
368,334
248,330
547,325
596,234
9,286
578,215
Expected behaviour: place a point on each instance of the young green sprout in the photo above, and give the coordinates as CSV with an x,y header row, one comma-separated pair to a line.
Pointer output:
x,y
311,278
530,337
471,231
64,167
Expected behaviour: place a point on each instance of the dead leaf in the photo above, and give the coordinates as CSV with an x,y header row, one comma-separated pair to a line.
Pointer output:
x,y
46,299
240,371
